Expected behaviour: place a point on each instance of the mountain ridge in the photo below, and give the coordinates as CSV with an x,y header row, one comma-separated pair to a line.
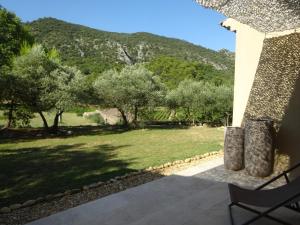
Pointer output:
x,y
93,50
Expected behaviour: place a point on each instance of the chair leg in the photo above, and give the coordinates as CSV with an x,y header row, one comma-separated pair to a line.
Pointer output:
x,y
230,213
295,207
260,215
269,217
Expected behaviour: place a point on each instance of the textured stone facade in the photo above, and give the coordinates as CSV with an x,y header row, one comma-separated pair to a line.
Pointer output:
x,y
275,79
276,92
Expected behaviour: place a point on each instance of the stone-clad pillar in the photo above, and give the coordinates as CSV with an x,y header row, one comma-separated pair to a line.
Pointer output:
x,y
234,148
259,147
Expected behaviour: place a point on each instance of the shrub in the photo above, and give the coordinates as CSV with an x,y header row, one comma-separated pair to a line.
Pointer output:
x,y
21,117
95,118
79,110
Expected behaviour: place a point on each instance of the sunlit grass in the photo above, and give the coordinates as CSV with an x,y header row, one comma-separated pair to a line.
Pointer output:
x,y
36,166
68,119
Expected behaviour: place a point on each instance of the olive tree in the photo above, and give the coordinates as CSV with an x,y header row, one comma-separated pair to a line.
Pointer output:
x,y
223,106
32,71
44,84
68,81
129,90
202,101
190,96
12,35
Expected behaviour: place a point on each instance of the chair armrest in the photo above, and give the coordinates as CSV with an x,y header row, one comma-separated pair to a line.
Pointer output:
x,y
284,173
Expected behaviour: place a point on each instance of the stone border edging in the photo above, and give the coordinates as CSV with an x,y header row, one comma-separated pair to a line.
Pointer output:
x,y
113,181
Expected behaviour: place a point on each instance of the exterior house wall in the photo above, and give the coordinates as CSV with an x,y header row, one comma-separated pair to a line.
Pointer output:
x,y
267,76
249,43
276,92
267,84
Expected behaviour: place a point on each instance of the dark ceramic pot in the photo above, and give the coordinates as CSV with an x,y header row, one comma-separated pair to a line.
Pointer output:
x,y
234,148
259,147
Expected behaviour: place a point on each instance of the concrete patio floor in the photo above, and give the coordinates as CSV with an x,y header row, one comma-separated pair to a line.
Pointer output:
x,y
173,200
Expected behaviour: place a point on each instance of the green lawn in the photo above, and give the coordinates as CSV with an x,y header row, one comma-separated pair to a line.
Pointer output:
x,y
35,166
69,119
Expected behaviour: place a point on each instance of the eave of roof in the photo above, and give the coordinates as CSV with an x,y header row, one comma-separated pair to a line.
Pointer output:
x,y
263,15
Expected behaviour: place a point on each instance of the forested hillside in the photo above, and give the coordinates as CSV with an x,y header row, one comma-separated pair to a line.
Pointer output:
x,y
71,66
94,50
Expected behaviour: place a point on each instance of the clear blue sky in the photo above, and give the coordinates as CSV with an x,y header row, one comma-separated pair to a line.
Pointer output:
x,y
183,19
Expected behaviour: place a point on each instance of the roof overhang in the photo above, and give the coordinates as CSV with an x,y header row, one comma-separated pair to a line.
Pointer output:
x,y
263,15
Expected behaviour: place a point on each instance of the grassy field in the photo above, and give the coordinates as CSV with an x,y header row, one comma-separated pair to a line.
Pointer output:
x,y
69,119
35,165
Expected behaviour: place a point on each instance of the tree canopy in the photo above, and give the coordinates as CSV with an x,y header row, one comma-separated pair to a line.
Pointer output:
x,y
201,101
172,71
43,83
190,80
12,35
129,90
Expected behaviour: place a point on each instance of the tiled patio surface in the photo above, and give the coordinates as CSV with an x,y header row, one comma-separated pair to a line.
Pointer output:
x,y
175,200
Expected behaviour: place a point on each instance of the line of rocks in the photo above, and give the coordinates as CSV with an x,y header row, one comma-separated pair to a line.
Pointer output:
x,y
28,203
44,206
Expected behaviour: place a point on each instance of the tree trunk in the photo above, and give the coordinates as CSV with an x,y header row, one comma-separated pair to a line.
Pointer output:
x,y
227,120
56,119
44,120
135,116
10,115
124,117
188,114
60,118
172,115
